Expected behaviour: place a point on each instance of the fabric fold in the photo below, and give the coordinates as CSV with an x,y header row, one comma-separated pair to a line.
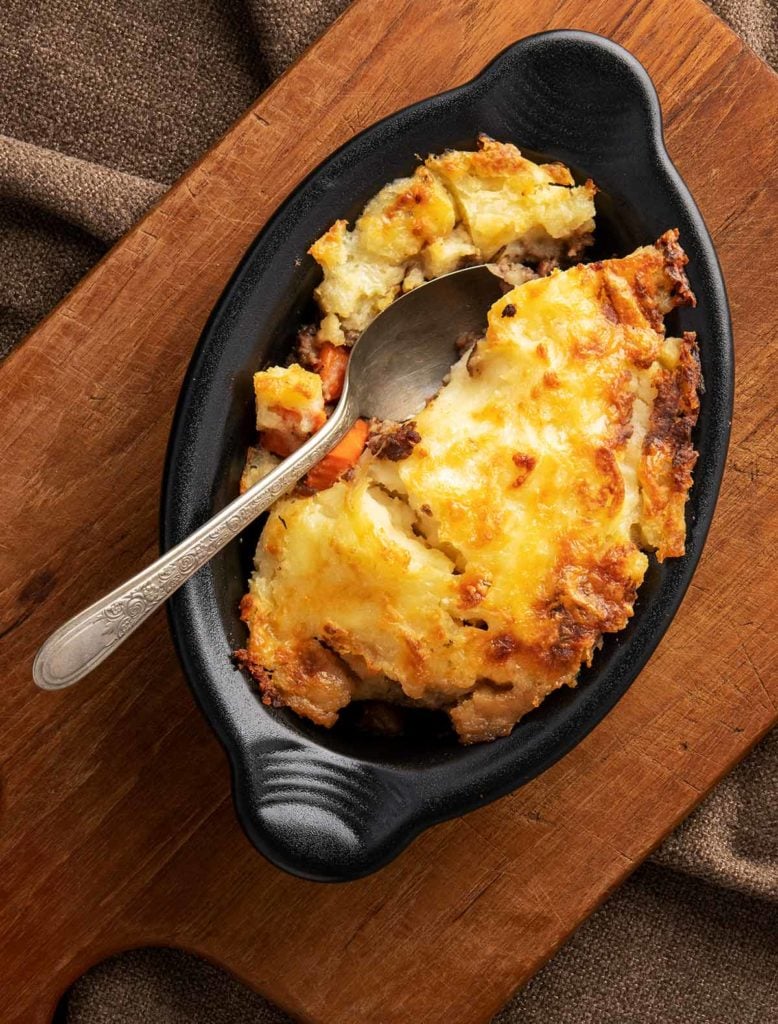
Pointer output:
x,y
100,200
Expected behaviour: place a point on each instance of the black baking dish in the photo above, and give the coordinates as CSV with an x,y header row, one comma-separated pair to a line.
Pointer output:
x,y
335,805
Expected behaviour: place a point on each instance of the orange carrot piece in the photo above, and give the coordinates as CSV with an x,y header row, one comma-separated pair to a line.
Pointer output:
x,y
342,457
332,363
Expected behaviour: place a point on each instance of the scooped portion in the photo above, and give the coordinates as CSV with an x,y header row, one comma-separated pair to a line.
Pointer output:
x,y
473,560
458,208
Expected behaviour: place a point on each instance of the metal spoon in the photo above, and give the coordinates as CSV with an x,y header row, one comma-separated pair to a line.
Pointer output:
x,y
395,366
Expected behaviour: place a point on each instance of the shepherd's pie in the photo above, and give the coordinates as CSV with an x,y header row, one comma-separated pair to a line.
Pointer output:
x,y
472,560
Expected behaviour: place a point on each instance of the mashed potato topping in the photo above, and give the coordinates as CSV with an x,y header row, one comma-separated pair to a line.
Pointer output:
x,y
458,207
472,560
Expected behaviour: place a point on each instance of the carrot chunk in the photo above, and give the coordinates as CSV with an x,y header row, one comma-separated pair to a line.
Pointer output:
x,y
342,457
331,367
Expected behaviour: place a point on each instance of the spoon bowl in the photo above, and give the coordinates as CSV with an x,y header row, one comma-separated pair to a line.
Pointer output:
x,y
398,363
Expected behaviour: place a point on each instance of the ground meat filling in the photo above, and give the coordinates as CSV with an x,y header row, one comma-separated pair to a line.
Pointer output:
x,y
306,351
393,441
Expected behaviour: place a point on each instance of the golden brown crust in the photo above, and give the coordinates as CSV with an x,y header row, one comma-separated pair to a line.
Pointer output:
x,y
668,456
474,559
589,600
308,678
408,204
675,259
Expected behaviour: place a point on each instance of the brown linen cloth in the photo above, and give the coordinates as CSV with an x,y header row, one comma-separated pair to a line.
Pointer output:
x,y
102,106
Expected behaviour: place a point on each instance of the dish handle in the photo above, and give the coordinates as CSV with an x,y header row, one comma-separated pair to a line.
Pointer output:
x,y
321,816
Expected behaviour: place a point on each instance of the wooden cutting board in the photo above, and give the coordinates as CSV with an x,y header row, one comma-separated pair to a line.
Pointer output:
x,y
117,825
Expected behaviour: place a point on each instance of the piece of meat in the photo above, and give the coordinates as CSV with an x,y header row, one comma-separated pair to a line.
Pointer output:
x,y
393,441
306,350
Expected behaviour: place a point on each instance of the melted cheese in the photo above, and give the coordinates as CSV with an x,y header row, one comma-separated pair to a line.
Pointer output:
x,y
479,573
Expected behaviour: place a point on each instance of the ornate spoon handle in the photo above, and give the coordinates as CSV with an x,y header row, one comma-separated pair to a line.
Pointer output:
x,y
84,641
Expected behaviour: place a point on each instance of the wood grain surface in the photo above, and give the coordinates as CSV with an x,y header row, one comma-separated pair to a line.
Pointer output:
x,y
117,825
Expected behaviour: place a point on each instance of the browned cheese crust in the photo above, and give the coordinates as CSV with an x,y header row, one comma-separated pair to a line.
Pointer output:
x,y
474,559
